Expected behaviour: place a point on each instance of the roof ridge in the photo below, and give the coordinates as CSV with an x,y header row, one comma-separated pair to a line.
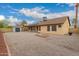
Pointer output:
x,y
58,17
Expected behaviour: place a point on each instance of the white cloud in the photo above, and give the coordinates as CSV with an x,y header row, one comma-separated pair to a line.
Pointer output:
x,y
40,9
70,13
30,22
38,13
62,5
67,13
58,4
2,17
13,21
10,7
34,12
71,4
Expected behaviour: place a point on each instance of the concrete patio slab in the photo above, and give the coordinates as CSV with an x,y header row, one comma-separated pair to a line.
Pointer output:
x,y
29,44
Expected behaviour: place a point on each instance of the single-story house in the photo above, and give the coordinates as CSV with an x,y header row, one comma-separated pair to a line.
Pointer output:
x,y
59,25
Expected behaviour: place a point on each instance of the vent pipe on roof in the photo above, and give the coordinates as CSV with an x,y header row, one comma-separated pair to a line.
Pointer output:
x,y
44,18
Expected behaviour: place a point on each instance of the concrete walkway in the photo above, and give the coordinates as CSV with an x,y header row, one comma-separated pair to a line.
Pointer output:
x,y
29,44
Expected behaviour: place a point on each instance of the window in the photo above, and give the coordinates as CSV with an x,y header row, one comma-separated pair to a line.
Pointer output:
x,y
53,27
59,25
48,28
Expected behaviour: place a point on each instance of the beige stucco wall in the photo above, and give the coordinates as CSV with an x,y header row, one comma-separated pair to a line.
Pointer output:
x,y
62,30
44,30
66,27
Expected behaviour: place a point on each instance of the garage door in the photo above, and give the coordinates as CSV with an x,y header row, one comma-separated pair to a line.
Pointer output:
x,y
17,29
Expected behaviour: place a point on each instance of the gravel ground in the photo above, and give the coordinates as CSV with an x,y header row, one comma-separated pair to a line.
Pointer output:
x,y
30,44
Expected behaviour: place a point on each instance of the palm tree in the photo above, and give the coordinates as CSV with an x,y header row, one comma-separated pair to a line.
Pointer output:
x,y
76,17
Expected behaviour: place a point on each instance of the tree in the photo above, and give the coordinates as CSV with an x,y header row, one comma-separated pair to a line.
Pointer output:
x,y
24,25
1,24
4,24
73,21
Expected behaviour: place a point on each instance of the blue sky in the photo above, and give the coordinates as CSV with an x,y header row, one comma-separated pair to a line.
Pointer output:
x,y
33,12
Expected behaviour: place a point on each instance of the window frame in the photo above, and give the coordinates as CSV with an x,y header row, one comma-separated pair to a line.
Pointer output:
x,y
54,28
48,28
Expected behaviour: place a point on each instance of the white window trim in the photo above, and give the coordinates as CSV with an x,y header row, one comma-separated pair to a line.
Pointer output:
x,y
50,28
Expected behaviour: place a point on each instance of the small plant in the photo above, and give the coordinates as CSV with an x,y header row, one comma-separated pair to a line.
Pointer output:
x,y
70,31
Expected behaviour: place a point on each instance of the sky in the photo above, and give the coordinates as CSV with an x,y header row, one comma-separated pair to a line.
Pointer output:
x,y
34,12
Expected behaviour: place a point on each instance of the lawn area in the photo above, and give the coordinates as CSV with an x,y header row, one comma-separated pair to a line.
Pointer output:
x,y
6,29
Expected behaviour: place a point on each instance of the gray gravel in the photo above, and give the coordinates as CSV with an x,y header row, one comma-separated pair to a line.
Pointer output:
x,y
29,44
